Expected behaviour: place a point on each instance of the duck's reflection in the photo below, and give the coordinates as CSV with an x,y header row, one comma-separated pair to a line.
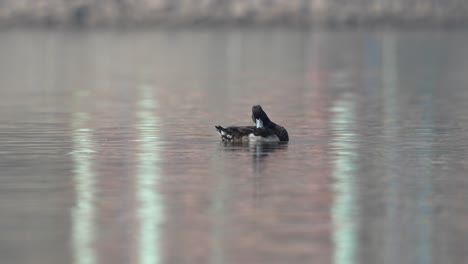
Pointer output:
x,y
260,150
264,155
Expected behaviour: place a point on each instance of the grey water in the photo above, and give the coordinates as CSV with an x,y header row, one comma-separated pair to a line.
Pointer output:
x,y
108,152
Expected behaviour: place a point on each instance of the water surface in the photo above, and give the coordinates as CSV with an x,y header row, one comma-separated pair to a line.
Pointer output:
x,y
109,153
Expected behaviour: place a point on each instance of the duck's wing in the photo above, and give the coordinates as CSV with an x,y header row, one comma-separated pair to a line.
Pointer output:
x,y
234,133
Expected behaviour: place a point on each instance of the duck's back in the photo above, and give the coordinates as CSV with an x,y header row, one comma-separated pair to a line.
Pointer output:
x,y
280,131
235,133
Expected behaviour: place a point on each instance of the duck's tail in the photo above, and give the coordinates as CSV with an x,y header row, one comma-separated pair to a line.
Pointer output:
x,y
225,135
220,129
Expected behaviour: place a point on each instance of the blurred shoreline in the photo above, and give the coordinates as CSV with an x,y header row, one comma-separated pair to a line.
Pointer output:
x,y
291,13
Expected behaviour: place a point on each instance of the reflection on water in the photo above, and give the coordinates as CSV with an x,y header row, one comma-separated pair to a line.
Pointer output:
x,y
345,212
390,105
260,150
150,212
109,153
424,178
85,180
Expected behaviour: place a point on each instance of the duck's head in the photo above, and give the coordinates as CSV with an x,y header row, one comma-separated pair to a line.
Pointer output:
x,y
259,116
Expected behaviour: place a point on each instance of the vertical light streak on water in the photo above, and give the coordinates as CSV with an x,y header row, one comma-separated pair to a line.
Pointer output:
x,y
391,250
344,209
85,184
424,190
150,208
424,181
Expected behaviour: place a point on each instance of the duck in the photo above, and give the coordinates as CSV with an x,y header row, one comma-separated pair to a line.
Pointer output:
x,y
264,130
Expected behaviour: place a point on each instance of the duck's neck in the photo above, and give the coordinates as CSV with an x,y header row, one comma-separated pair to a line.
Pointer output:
x,y
265,120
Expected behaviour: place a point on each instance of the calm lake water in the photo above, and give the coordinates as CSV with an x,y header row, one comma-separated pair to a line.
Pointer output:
x,y
108,152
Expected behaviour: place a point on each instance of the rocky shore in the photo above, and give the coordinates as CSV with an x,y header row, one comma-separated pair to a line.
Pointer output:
x,y
244,12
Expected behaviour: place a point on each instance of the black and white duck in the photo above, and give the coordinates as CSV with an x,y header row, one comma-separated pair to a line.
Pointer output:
x,y
264,130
